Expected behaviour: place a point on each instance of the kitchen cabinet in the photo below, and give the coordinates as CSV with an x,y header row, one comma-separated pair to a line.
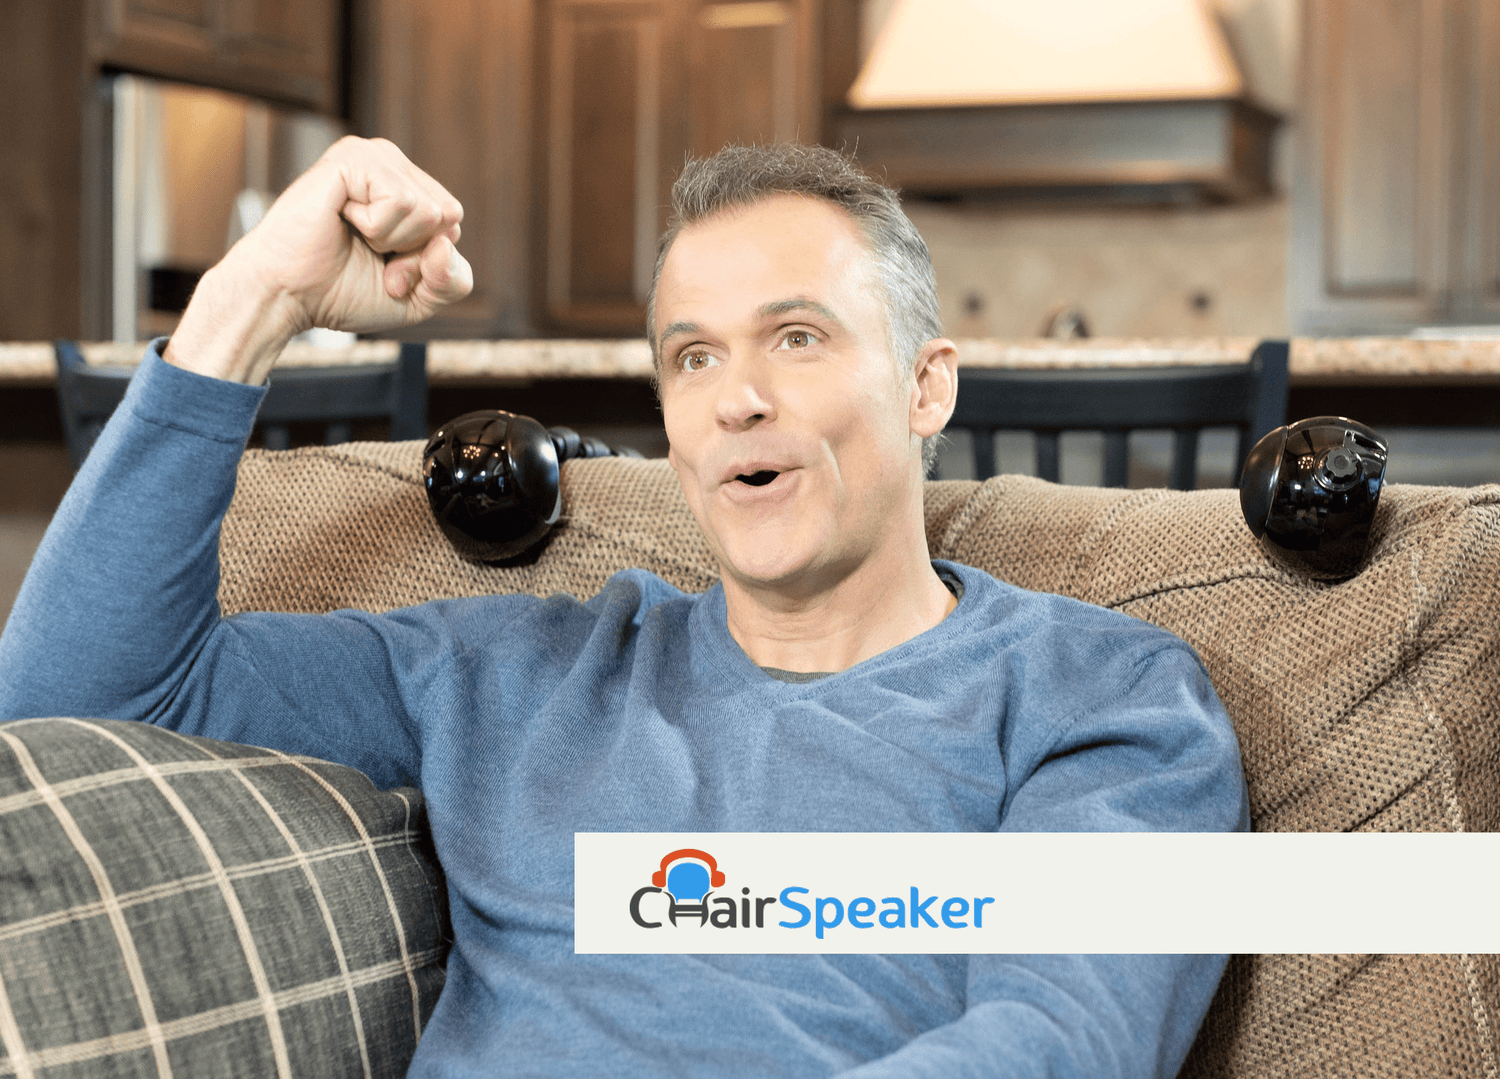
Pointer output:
x,y
287,50
561,124
1396,190
451,85
613,129
41,89
56,124
628,89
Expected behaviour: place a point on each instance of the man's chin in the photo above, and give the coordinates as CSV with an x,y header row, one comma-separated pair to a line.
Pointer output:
x,y
775,549
782,569
764,573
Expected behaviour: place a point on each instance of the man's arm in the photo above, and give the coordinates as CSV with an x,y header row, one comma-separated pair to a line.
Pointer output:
x,y
363,241
118,615
1065,1017
1158,755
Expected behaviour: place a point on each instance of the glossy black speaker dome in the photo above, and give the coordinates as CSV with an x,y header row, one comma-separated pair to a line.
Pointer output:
x,y
1309,492
492,482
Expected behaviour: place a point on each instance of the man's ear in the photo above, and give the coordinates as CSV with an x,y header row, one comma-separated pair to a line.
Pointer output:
x,y
934,387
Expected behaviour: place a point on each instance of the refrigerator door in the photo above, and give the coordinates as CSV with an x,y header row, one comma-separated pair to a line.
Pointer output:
x,y
194,169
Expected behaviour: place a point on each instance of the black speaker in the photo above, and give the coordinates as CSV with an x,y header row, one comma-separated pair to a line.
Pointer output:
x,y
492,480
1309,492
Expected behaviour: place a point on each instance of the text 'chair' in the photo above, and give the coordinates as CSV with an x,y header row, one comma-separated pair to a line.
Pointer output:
x,y
1184,399
332,394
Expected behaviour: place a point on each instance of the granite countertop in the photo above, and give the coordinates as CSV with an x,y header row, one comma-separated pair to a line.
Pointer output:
x,y
1103,352
1364,358
32,362
1395,358
447,361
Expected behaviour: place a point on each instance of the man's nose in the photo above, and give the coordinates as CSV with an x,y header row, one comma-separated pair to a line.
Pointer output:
x,y
746,396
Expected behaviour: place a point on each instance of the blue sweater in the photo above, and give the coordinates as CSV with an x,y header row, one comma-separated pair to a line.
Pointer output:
x,y
525,720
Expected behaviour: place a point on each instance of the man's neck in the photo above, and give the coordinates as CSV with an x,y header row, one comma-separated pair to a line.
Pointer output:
x,y
844,619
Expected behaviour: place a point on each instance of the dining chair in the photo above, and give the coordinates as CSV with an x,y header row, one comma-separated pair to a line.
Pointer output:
x,y
1182,398
332,395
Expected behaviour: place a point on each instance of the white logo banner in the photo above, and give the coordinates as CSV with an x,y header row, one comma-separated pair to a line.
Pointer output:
x,y
841,892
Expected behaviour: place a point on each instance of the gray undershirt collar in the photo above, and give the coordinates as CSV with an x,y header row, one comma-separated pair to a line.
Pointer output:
x,y
948,578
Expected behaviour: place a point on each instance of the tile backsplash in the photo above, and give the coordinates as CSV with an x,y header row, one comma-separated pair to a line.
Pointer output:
x,y
1180,272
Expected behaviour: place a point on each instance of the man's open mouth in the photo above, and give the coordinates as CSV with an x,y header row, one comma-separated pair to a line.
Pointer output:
x,y
758,479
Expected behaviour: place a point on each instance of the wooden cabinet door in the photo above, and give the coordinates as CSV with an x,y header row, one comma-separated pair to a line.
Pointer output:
x,y
754,73
1373,196
630,88
167,37
291,40
614,119
42,216
451,85
186,26
286,50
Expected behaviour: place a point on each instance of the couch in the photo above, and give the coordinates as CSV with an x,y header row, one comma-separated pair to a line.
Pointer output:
x,y
171,903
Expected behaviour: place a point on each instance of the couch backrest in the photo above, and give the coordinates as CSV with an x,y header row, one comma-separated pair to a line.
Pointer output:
x,y
1369,704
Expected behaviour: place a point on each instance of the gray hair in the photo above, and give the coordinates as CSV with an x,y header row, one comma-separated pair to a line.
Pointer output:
x,y
741,175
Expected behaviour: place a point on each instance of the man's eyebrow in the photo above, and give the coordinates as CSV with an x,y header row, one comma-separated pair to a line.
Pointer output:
x,y
799,303
676,329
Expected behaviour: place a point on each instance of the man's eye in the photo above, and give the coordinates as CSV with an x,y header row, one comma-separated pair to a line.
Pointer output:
x,y
797,339
697,361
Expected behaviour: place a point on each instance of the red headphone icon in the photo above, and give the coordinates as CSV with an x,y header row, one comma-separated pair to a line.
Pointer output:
x,y
659,878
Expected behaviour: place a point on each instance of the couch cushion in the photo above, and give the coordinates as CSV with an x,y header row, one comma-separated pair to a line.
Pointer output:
x,y
1370,704
216,908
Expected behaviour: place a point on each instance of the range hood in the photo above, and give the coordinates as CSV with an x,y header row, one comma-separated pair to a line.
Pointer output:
x,y
1077,100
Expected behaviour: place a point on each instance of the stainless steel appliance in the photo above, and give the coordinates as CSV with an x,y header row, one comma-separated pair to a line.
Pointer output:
x,y
193,170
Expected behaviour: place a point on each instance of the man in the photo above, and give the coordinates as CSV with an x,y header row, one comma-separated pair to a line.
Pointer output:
x,y
837,679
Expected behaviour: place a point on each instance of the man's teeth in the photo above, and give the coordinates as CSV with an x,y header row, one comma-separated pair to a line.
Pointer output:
x,y
758,479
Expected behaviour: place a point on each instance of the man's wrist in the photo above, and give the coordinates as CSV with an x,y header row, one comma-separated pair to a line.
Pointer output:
x,y
235,326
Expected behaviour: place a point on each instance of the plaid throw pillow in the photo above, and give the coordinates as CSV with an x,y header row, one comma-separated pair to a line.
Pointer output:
x,y
178,906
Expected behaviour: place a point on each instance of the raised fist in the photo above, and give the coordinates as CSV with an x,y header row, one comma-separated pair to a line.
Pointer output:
x,y
363,241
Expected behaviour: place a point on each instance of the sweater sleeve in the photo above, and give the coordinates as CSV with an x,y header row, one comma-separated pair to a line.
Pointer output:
x,y
118,616
1159,754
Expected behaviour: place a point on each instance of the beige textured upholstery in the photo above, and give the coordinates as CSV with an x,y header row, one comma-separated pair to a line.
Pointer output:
x,y
1372,704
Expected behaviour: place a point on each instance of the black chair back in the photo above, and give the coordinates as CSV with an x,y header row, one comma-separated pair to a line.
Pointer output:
x,y
1185,399
333,395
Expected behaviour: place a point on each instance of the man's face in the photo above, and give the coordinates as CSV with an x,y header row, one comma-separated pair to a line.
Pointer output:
x,y
789,425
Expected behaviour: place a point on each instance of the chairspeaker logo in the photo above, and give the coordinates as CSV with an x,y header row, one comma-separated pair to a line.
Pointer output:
x,y
687,877
734,892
